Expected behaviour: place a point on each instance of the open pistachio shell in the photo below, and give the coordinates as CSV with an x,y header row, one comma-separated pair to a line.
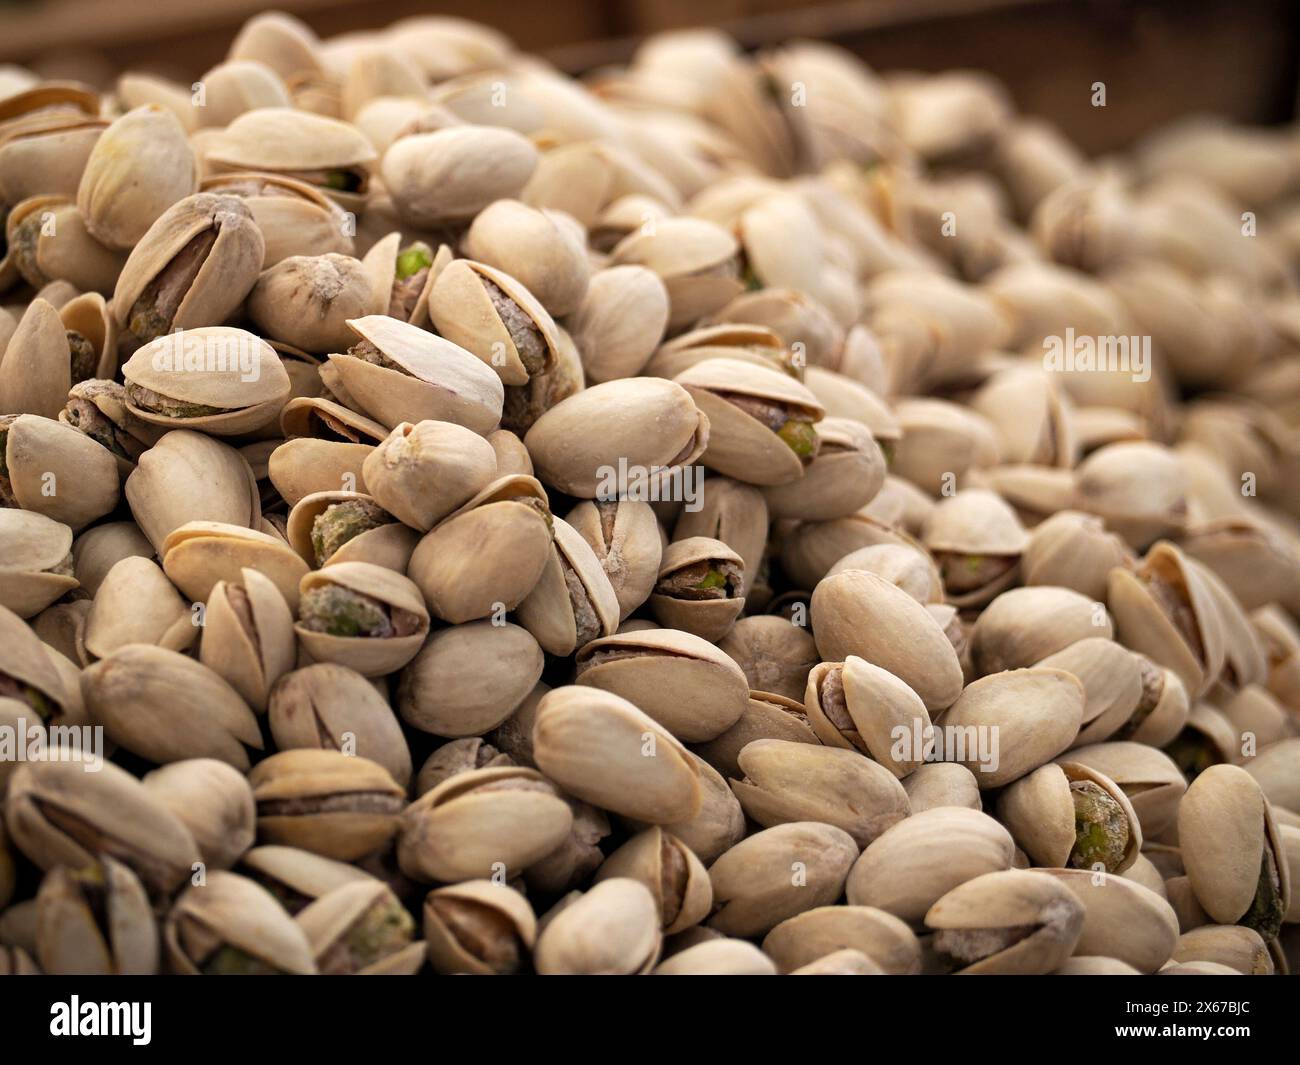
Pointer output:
x,y
421,473
36,569
478,926
855,705
573,601
1150,779
361,929
767,716
56,471
701,587
682,681
198,554
295,218
248,635
326,528
362,616
675,876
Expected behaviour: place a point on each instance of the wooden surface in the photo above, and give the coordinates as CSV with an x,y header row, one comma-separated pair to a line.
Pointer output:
x,y
1158,58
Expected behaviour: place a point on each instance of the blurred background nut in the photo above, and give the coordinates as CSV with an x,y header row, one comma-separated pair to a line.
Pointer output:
x,y
213,801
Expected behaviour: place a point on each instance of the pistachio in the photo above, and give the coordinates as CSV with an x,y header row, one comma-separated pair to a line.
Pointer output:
x,y
613,929
213,801
95,921
361,929
478,926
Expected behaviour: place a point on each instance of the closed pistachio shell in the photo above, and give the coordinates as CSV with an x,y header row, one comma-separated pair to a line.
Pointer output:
x,y
766,717
544,250
307,301
1072,550
718,957
720,821
55,471
939,784
613,929
1122,919
1240,949
882,937
213,800
620,321
595,744
1025,625
777,873
421,473
136,603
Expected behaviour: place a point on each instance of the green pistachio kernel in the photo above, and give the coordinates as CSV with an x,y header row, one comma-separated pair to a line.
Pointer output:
x,y
231,961
341,180
412,260
339,611
1101,828
340,522
801,437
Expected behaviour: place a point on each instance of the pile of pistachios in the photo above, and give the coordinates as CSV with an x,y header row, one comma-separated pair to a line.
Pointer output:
x,y
728,513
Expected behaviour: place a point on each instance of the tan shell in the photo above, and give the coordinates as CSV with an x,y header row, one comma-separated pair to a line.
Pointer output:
x,y
880,707
626,537
642,858
58,472
449,952
443,383
846,474
1150,779
198,554
389,545
548,610
295,218
1122,919
680,680
307,301
371,657
613,929
136,603
303,466
1025,625
683,252
811,936
251,652
511,512
34,545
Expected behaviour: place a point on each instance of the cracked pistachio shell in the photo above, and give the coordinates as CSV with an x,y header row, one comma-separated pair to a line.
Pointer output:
x,y
1166,610
332,804
187,476
1249,557
371,656
1029,416
574,860
969,921
600,748
695,259
846,962
389,545
1030,716
459,756
734,513
787,781
36,372
361,929
136,603
1025,625
437,380
452,174
1159,716
23,659
628,542
58,814
247,383
620,322
198,554
295,218
794,316
742,342
1153,783
573,601
777,873
467,679
282,42
651,428
478,927
940,439
95,921
1244,660
507,523
1122,919
213,800
421,473
775,655
307,301
812,935
1072,550
1041,813
670,870
1112,679
1240,949
858,613
58,472
767,716
132,693
140,166
297,144
331,707
846,474
937,784
476,823
914,863
718,957
463,310
683,682
710,619
36,550
860,707
231,924
248,636
976,540
908,567
1232,850
740,445
296,877
720,822
545,250
217,283
610,930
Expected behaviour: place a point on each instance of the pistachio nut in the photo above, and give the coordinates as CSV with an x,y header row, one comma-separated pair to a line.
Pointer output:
x,y
95,921
766,717
38,566
332,804
248,636
857,706
331,707
199,554
612,929
458,756
136,603
307,301
1009,921
49,468
801,940
1072,550
232,926
295,218
361,929
1240,949
696,260
1122,919
296,877
132,694
1153,783
1274,771
939,784
619,322
421,473
734,513
717,957
846,456
1025,625
775,655
467,679
480,927
680,680
599,747
671,871
787,781
700,587
573,601
478,823
327,528
213,800
778,873
362,616
628,542
1139,489
99,410
977,541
